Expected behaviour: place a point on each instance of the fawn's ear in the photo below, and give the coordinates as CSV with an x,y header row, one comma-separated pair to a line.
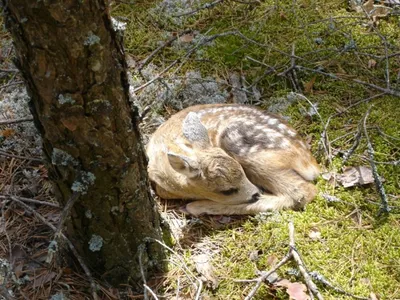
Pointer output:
x,y
195,131
184,165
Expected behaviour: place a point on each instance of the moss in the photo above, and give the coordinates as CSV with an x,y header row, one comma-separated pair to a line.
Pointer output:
x,y
358,251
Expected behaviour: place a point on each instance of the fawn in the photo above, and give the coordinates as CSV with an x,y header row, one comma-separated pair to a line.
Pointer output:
x,y
231,159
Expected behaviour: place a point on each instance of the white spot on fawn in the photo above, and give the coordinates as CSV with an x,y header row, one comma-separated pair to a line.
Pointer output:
x,y
284,144
282,127
272,121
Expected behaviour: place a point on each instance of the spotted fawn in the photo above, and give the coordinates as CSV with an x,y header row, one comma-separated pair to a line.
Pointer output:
x,y
231,159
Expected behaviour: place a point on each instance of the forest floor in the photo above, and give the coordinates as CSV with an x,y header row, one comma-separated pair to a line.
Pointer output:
x,y
330,68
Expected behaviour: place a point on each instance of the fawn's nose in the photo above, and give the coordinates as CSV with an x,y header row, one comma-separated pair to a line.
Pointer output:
x,y
254,198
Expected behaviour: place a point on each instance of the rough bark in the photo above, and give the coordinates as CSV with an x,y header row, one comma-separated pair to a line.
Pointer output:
x,y
74,67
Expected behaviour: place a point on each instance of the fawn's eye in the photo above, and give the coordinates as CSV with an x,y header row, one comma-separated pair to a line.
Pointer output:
x,y
230,191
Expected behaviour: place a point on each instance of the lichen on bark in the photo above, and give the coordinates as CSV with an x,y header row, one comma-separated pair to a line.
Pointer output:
x,y
74,67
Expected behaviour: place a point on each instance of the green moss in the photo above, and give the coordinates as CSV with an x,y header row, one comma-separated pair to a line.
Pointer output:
x,y
358,250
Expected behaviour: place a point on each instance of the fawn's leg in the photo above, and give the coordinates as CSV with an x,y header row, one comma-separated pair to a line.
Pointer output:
x,y
265,203
279,179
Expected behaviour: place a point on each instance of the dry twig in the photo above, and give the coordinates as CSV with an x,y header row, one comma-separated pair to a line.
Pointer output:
x,y
296,256
70,245
66,211
158,49
378,182
205,6
29,200
183,265
6,154
15,121
308,276
11,84
190,52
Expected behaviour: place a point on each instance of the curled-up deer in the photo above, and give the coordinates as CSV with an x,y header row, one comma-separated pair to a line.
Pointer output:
x,y
231,159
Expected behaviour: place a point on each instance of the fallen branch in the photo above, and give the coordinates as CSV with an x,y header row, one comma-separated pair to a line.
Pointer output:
x,y
183,265
357,139
70,245
296,256
158,49
308,276
386,91
324,134
9,70
324,281
201,43
6,154
11,84
378,182
265,275
10,197
15,121
66,211
205,6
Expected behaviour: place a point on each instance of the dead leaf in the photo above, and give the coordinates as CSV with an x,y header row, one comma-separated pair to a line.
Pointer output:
x,y
204,267
295,290
369,5
309,85
187,38
283,282
371,63
43,278
356,176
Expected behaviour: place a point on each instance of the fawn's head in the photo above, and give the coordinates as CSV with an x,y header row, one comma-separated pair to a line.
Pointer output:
x,y
211,172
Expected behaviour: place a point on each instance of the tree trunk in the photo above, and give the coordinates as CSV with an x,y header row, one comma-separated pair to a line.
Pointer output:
x,y
74,66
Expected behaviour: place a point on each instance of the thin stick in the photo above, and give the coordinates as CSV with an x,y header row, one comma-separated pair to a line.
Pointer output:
x,y
3,153
200,286
15,121
324,281
150,291
205,41
3,290
378,182
357,139
29,200
324,135
159,48
357,103
310,284
71,246
9,70
145,296
205,6
11,84
66,211
386,91
264,276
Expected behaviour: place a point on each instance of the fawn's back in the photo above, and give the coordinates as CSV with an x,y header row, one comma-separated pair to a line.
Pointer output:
x,y
228,153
